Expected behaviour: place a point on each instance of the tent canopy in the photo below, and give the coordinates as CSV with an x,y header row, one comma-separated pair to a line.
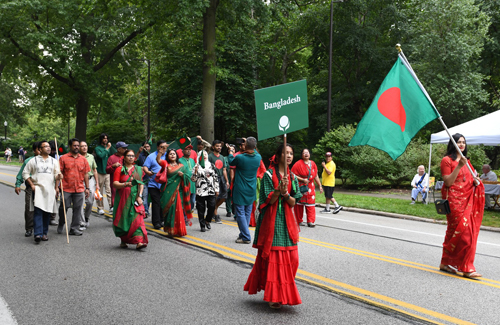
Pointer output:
x,y
483,130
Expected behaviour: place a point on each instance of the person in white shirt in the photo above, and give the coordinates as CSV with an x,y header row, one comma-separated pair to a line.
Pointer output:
x,y
490,176
420,184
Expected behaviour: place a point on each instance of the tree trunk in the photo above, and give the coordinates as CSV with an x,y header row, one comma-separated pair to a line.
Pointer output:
x,y
209,77
82,110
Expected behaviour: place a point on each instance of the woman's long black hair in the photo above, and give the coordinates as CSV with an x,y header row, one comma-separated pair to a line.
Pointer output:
x,y
176,155
275,160
451,150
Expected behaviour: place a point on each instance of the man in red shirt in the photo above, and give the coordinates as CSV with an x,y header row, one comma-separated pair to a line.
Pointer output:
x,y
115,161
75,185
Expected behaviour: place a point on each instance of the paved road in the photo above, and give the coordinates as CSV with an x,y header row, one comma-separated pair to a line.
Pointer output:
x,y
354,269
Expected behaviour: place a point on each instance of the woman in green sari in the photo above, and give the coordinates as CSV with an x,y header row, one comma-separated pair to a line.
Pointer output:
x,y
128,211
175,194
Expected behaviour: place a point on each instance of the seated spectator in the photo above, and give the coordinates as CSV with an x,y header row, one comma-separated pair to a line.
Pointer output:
x,y
420,184
490,176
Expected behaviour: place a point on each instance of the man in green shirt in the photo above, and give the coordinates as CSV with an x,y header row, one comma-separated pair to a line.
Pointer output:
x,y
93,183
28,215
103,151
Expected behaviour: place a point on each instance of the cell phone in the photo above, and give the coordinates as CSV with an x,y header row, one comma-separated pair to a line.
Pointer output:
x,y
239,141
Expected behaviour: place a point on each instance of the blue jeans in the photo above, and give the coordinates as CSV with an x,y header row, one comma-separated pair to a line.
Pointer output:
x,y
242,213
145,198
41,220
415,191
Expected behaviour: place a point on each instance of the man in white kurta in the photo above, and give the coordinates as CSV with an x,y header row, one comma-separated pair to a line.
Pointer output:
x,y
420,184
43,174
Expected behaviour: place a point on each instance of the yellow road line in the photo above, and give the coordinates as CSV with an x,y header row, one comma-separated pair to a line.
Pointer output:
x,y
8,174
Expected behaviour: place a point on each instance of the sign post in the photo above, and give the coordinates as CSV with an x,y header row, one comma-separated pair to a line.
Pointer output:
x,y
281,109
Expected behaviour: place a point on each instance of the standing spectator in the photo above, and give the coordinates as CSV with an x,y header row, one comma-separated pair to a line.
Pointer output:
x,y
21,154
419,184
489,176
42,173
115,161
217,159
277,235
150,168
207,189
143,154
307,173
28,215
466,210
93,182
229,200
245,186
8,154
189,163
75,169
103,151
328,182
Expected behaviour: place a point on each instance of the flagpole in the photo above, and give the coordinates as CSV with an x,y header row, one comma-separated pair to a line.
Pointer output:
x,y
62,195
284,155
440,118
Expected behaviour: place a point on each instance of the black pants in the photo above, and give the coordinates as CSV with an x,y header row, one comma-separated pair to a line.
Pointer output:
x,y
156,217
203,202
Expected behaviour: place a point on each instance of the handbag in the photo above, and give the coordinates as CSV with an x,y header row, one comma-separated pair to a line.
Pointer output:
x,y
304,188
161,176
443,206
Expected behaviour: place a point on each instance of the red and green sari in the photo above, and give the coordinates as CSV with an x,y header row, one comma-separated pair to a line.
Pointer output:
x,y
175,200
128,220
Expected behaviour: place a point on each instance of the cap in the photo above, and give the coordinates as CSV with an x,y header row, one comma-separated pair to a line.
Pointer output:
x,y
121,144
328,154
189,147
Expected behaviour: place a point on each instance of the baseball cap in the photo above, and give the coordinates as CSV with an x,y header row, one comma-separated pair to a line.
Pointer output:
x,y
328,154
121,144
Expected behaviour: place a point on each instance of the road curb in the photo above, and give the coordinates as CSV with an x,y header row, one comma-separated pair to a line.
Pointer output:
x,y
403,216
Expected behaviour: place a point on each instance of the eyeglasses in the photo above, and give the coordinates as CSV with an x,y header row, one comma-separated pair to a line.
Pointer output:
x,y
130,156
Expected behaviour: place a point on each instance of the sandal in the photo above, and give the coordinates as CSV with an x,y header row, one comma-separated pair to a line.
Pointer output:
x,y
141,246
275,305
447,268
123,245
471,275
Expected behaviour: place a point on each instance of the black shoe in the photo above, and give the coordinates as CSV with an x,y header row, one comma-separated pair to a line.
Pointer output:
x,y
229,215
28,233
38,239
157,226
207,224
162,224
217,219
74,232
203,229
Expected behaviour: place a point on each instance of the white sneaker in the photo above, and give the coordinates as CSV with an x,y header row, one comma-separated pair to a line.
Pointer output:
x,y
101,211
111,210
87,224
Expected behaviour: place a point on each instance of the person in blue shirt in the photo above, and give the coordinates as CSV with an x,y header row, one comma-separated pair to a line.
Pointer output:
x,y
150,168
245,186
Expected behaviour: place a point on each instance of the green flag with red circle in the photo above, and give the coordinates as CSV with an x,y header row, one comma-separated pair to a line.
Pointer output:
x,y
398,111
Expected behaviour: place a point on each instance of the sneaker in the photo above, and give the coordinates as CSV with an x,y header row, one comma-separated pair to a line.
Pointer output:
x,y
87,224
28,233
311,224
74,232
337,209
111,211
412,202
423,201
302,224
325,211
101,211
38,239
241,241
53,222
82,228
60,229
217,219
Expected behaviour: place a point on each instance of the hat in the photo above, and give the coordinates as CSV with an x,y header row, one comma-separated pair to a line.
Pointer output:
x,y
328,154
121,144
188,147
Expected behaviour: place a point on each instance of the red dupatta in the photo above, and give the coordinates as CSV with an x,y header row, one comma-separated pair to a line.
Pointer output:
x,y
266,232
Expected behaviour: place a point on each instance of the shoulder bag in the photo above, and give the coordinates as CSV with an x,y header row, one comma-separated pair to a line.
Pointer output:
x,y
443,206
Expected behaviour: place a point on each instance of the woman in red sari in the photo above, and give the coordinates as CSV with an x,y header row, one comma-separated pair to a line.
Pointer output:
x,y
277,235
128,211
467,207
175,194
307,173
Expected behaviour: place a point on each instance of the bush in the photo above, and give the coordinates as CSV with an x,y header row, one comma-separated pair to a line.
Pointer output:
x,y
366,167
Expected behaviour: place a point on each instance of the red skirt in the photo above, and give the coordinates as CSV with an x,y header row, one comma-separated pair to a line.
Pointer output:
x,y
276,276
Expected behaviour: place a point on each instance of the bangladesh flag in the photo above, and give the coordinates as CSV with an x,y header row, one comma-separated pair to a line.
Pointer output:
x,y
182,142
62,150
398,111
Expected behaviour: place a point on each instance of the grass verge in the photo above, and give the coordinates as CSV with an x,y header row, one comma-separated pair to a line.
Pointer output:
x,y
490,218
13,163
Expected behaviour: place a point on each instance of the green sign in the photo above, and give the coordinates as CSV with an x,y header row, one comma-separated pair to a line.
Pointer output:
x,y
281,109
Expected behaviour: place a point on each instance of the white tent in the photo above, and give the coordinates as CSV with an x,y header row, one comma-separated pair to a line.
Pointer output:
x,y
483,130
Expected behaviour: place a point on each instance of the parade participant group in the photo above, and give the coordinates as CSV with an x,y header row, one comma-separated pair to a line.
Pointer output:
x,y
177,182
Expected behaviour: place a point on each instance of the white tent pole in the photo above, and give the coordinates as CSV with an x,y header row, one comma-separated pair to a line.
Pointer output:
x,y
410,69
429,172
